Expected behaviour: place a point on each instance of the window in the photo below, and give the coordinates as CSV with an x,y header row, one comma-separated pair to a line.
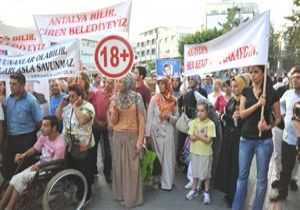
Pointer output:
x,y
143,44
143,53
166,40
153,51
148,52
138,44
214,12
148,42
153,41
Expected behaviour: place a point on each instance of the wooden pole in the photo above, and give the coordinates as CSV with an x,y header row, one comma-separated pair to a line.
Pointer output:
x,y
264,94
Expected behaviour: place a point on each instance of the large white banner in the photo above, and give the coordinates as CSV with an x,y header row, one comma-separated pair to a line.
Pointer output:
x,y
61,60
55,28
243,46
21,43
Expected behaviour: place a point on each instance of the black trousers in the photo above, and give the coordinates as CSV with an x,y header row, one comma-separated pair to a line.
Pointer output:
x,y
84,166
106,159
288,158
17,144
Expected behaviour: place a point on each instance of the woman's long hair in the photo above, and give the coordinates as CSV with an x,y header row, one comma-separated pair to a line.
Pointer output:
x,y
269,87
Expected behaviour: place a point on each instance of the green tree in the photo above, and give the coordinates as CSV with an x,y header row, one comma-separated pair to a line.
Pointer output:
x,y
291,53
150,66
274,49
233,19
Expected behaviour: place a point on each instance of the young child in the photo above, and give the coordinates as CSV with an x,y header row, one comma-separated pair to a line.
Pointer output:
x,y
202,131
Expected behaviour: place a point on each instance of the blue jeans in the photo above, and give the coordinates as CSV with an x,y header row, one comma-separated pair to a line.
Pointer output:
x,y
263,150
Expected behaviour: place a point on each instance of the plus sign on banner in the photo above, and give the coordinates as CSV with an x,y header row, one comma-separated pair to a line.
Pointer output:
x,y
114,56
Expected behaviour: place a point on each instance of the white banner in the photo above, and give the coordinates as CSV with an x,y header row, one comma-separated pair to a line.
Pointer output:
x,y
21,43
61,60
56,28
245,45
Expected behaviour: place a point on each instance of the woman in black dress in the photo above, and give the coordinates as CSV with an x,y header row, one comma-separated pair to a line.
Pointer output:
x,y
228,165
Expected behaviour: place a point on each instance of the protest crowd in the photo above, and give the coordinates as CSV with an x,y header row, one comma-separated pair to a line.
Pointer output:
x,y
207,127
145,128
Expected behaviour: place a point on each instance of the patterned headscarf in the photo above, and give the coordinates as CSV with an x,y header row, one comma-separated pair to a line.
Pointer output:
x,y
197,80
166,101
126,98
242,81
128,82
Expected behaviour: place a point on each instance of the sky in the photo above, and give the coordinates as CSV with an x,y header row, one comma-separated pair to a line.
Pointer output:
x,y
146,14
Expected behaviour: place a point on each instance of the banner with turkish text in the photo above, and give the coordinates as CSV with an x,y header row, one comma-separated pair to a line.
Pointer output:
x,y
56,28
245,45
61,60
21,44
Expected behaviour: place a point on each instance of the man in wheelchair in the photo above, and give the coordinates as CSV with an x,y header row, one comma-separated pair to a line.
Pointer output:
x,y
52,147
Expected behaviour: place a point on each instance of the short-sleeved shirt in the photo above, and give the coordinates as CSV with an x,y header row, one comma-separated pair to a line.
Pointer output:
x,y
145,93
75,132
287,102
206,128
22,114
250,127
51,150
55,100
280,91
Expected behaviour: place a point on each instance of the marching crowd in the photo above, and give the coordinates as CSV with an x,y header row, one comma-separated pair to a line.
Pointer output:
x,y
209,128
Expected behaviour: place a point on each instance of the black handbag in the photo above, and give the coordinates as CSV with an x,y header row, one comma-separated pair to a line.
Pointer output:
x,y
75,150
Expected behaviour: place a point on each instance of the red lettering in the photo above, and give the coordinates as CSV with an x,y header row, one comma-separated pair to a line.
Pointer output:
x,y
241,53
198,50
190,65
100,14
53,32
68,19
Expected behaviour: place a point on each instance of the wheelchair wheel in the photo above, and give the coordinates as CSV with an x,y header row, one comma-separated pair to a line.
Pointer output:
x,y
66,190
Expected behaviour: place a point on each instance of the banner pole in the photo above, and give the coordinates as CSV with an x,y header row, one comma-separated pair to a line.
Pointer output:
x,y
264,94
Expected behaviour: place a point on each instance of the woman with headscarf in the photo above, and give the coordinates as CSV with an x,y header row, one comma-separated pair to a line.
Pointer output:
x,y
194,84
127,114
161,119
228,165
176,83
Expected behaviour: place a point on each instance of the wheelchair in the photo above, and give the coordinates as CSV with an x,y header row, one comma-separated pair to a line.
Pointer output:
x,y
55,186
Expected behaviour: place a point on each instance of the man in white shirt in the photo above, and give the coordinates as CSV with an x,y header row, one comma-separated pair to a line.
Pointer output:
x,y
289,143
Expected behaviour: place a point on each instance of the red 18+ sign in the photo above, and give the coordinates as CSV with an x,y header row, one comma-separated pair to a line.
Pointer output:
x,y
114,56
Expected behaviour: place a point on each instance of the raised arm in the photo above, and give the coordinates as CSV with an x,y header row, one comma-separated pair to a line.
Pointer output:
x,y
244,113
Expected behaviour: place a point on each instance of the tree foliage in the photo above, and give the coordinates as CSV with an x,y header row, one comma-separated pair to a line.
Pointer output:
x,y
233,19
150,66
291,53
274,49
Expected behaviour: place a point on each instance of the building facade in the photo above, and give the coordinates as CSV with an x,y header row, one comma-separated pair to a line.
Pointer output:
x,y
159,42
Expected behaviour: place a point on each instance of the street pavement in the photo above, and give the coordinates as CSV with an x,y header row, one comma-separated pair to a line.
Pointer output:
x,y
175,199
